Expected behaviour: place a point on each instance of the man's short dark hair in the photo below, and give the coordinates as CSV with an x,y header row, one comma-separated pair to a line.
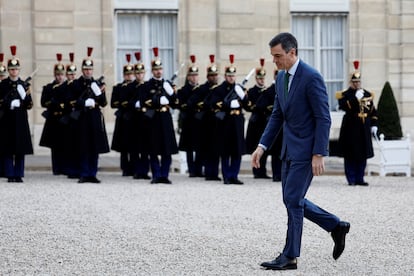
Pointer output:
x,y
287,41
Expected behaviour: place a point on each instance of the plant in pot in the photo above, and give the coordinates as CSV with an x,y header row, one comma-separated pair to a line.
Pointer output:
x,y
392,152
388,117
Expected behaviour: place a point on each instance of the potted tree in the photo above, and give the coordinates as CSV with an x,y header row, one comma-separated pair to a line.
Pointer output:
x,y
392,151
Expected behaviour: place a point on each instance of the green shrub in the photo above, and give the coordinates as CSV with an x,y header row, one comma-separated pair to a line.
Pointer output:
x,y
388,117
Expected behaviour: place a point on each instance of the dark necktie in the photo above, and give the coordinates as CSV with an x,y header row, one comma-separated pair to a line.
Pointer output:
x,y
287,75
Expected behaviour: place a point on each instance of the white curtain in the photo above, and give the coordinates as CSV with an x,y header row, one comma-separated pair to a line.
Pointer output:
x,y
162,34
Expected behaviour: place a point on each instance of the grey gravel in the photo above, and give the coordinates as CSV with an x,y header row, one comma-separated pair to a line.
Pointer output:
x,y
50,225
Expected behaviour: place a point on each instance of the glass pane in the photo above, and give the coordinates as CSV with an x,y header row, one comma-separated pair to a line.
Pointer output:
x,y
162,34
129,30
332,87
332,64
331,31
303,30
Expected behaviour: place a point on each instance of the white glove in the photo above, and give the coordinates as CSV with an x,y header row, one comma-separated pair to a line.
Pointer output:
x,y
14,103
167,87
234,104
21,91
89,102
359,94
239,91
164,100
137,104
374,130
95,88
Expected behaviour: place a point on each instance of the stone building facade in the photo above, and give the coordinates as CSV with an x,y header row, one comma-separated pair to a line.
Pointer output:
x,y
379,33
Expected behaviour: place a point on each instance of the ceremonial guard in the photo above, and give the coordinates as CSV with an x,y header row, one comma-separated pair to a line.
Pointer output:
x,y
3,75
158,97
260,104
140,125
91,138
120,101
69,120
54,101
358,125
201,104
189,135
15,138
228,99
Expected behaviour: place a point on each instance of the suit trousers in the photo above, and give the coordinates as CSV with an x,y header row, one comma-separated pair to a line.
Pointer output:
x,y
296,179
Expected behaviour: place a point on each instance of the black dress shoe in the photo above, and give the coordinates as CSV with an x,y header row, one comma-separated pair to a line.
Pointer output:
x,y
262,176
145,176
236,181
351,184
281,263
277,179
338,236
362,183
83,179
226,181
93,179
155,181
213,178
10,179
18,179
164,180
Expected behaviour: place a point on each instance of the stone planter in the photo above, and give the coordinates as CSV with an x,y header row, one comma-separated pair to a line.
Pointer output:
x,y
391,157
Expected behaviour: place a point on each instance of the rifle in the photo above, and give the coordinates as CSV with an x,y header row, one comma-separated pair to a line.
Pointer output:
x,y
232,95
75,114
29,78
175,75
246,79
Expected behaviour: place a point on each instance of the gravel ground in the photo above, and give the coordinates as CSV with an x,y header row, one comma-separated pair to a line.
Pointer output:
x,y
50,225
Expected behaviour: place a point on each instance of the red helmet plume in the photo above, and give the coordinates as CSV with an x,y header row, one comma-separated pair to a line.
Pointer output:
x,y
231,58
137,56
356,64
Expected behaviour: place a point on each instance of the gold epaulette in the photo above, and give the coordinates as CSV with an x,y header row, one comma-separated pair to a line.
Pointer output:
x,y
372,95
339,94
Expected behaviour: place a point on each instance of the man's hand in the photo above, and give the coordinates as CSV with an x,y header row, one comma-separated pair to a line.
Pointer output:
x,y
318,165
257,154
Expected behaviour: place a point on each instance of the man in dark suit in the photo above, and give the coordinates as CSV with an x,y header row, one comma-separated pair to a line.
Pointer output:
x,y
301,107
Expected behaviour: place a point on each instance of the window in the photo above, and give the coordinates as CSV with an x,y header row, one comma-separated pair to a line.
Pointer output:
x,y
321,39
140,31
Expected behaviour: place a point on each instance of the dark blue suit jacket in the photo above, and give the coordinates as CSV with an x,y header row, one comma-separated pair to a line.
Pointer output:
x,y
304,115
